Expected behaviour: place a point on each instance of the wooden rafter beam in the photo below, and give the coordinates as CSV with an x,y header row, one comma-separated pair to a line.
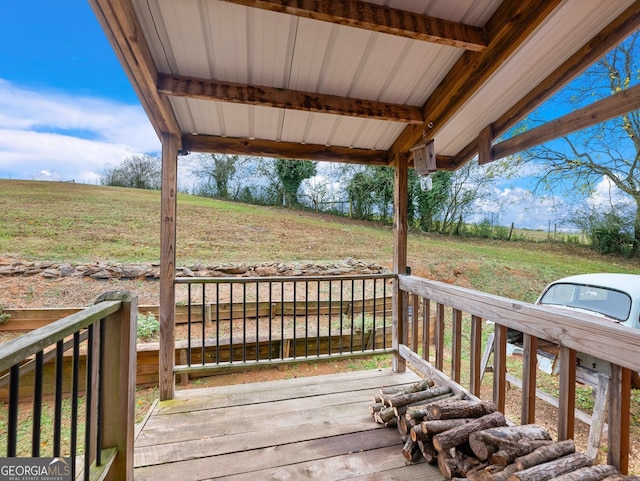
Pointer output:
x,y
119,22
286,99
285,150
614,33
508,28
369,16
614,106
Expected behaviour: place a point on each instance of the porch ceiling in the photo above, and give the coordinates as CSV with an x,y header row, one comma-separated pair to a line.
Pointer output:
x,y
353,81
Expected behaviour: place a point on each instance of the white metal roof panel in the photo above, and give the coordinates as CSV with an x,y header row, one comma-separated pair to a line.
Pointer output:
x,y
232,43
318,45
471,12
531,63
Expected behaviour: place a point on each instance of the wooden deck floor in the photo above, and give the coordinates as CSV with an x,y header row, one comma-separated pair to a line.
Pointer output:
x,y
296,429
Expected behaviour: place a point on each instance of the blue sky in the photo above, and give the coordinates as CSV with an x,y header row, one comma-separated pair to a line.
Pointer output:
x,y
66,106
67,109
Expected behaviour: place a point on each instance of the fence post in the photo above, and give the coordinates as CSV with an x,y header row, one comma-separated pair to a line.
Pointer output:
x,y
119,382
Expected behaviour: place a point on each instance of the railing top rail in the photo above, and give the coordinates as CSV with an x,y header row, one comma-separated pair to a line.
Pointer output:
x,y
20,348
278,279
575,330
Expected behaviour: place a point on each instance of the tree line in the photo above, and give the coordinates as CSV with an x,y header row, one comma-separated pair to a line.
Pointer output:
x,y
366,190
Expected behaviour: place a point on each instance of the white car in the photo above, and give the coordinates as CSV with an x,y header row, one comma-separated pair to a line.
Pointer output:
x,y
613,297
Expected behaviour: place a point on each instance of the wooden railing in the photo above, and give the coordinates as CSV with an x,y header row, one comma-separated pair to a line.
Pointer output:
x,y
572,332
234,322
96,429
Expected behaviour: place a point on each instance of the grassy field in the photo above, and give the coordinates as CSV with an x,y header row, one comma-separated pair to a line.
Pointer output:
x,y
86,223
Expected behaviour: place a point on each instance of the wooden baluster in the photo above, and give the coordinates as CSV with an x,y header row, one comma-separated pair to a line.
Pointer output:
x,y
440,336
619,418
500,367
476,355
529,369
456,344
415,320
426,327
567,397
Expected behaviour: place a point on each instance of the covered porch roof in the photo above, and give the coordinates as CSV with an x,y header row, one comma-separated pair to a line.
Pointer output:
x,y
353,81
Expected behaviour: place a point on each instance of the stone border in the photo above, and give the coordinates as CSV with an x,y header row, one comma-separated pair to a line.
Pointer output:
x,y
17,267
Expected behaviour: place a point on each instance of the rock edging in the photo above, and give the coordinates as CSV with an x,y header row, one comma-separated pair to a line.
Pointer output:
x,y
18,267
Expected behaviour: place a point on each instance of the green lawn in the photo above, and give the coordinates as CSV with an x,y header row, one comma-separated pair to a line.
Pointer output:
x,y
86,223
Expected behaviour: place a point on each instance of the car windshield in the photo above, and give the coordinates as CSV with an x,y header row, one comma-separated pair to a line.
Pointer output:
x,y
609,302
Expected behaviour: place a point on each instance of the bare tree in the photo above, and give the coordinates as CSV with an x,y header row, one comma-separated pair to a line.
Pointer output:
x,y
316,189
608,150
136,171
467,187
216,172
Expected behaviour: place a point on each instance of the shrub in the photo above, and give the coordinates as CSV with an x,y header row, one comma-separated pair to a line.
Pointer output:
x,y
610,232
4,317
148,327
483,229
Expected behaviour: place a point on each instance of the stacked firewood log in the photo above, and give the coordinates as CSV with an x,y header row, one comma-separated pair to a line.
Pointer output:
x,y
471,439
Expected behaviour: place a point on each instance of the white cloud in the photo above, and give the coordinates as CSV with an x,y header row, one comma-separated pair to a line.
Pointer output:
x,y
606,194
58,136
521,207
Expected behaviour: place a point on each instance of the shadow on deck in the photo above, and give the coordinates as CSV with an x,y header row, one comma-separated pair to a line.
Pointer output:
x,y
302,428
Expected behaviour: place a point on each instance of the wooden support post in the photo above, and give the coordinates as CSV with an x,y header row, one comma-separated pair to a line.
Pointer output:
x,y
567,397
529,370
207,315
167,308
476,355
619,418
400,227
286,349
500,367
119,382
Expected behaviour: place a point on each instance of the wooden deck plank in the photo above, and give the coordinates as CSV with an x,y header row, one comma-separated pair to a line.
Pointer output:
x,y
203,422
334,468
269,434
257,462
197,399
216,422
413,472
394,378
303,428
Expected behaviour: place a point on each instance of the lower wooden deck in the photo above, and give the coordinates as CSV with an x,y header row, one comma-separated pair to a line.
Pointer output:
x,y
295,429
